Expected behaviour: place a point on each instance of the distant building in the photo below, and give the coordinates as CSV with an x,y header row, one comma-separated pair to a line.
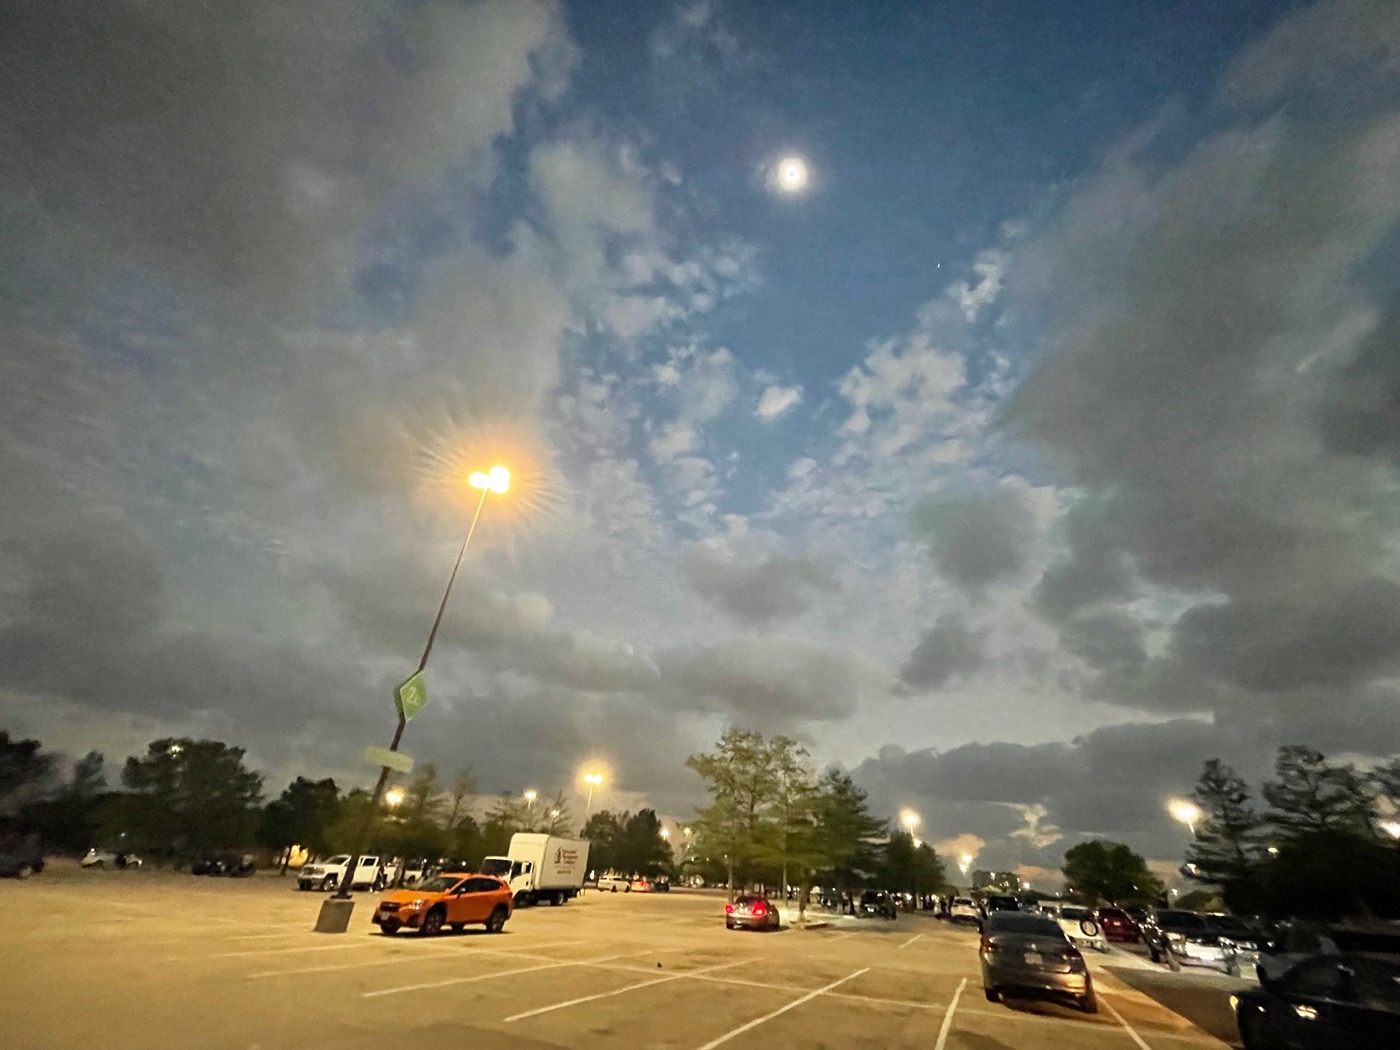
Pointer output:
x,y
996,881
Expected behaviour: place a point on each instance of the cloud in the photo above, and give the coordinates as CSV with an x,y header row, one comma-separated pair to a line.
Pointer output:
x,y
765,682
974,299
1218,392
977,539
252,183
776,400
754,588
946,650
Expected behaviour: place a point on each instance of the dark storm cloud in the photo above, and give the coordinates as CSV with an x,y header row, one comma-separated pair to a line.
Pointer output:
x,y
764,683
91,627
758,592
239,149
1221,394
978,538
947,650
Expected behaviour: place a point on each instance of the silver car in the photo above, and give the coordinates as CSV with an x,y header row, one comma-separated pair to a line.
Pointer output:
x,y
1028,955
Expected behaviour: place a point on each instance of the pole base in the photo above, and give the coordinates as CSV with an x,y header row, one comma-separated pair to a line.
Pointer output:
x,y
335,915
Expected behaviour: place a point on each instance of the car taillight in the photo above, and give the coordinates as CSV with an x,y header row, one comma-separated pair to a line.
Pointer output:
x,y
990,946
729,909
759,909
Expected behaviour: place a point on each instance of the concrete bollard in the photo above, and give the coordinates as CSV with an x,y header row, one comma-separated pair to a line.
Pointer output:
x,y
335,915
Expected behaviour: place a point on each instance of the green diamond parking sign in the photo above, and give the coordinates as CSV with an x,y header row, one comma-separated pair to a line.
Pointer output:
x,y
412,696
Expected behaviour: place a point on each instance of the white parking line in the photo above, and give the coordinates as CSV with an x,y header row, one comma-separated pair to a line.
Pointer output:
x,y
1126,1026
774,987
911,940
271,951
784,1009
393,959
948,1017
506,973
621,991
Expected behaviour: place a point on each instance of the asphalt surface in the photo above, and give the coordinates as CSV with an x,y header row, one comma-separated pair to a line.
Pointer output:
x,y
127,960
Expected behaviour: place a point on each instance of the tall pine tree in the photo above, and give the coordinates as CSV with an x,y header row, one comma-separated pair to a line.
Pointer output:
x,y
1228,835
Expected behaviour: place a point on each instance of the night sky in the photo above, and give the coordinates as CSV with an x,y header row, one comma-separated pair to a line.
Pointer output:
x,y
1001,398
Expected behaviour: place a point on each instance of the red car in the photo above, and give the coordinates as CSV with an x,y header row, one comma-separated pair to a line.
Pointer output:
x,y
1118,925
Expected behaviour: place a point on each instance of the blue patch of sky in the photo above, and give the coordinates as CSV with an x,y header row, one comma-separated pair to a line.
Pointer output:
x,y
926,126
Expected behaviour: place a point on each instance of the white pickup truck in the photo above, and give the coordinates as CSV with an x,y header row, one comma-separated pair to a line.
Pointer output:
x,y
541,868
327,874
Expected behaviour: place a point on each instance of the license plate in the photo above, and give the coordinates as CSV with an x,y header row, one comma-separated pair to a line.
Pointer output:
x,y
1033,958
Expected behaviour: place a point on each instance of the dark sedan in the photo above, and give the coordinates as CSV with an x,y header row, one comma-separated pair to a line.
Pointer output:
x,y
1024,954
1346,1002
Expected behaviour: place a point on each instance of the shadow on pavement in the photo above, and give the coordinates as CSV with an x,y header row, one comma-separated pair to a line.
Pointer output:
x,y
1200,998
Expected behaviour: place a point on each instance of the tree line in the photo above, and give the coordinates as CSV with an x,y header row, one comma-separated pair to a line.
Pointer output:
x,y
773,818
184,798
1319,848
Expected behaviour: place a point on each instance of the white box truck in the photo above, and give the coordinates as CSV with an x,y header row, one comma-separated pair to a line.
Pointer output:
x,y
541,868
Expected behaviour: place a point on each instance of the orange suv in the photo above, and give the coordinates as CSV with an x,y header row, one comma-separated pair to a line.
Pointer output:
x,y
450,899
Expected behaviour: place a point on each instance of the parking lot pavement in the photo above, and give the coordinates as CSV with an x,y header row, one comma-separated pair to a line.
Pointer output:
x,y
151,960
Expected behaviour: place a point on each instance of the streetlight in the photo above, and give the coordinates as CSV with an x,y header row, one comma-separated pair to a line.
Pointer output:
x,y
910,820
965,863
1185,812
593,780
530,795
496,480
1391,828
393,797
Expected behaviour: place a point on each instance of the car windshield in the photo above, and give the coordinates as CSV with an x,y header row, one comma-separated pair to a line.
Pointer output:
x,y
1228,924
496,866
438,883
1074,913
339,858
1023,922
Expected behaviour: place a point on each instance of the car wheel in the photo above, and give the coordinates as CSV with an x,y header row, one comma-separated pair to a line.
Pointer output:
x,y
1249,1032
458,927
497,922
389,928
1154,953
1089,1003
728,925
556,900
614,889
328,883
432,923
99,865
993,996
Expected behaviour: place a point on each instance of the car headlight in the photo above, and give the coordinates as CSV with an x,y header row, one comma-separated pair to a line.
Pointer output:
x,y
414,905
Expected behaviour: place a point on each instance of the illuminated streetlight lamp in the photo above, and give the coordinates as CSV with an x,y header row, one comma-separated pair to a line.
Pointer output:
x,y
965,863
593,780
496,480
910,820
1391,828
1185,812
530,796
393,797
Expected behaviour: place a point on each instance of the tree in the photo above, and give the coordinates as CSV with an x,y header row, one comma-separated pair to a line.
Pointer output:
x,y
1311,795
463,790
1227,841
741,779
67,819
301,816
198,795
791,806
1385,784
1109,872
1327,874
642,849
414,828
604,835
844,831
24,772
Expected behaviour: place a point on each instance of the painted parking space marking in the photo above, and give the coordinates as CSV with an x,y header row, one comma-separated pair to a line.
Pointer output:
x,y
781,1010
911,940
505,973
948,1017
621,991
271,951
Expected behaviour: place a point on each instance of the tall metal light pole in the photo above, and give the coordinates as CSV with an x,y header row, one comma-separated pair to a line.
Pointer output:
x,y
592,780
496,480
